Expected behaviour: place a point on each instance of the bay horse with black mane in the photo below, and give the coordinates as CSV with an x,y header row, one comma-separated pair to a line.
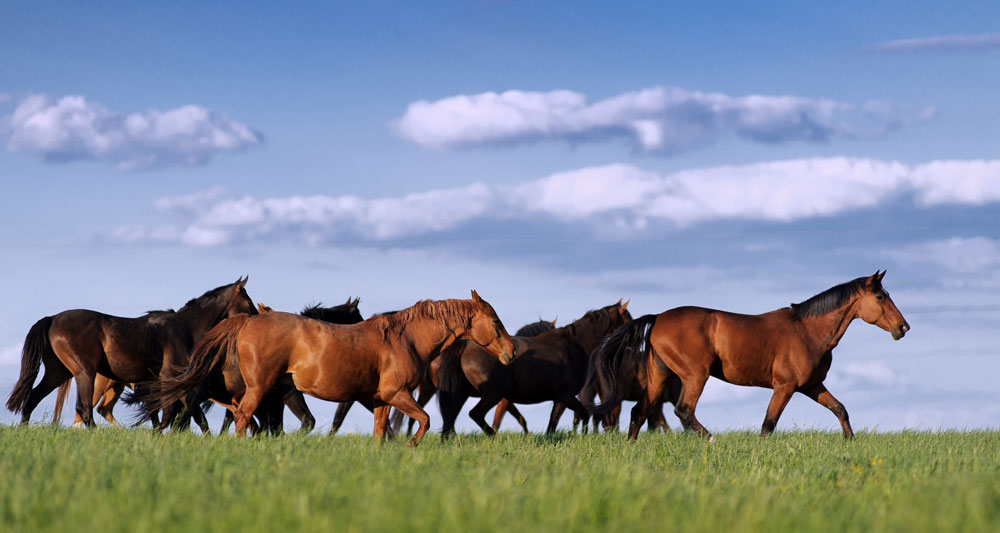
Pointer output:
x,y
551,366
81,344
788,350
379,360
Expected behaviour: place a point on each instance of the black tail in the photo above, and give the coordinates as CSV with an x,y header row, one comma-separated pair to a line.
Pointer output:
x,y
36,345
450,376
628,345
218,343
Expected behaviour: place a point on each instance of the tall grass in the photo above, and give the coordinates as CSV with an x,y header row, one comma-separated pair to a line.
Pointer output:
x,y
115,480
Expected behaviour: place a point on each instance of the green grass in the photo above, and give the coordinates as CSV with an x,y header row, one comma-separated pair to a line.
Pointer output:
x,y
116,480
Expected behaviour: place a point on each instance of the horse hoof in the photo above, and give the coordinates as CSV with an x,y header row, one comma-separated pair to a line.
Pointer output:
x,y
711,438
78,425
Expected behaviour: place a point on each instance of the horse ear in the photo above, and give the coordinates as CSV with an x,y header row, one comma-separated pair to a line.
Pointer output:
x,y
240,283
356,302
475,296
624,306
880,276
554,321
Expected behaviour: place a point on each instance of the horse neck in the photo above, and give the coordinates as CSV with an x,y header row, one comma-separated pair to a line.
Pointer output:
x,y
586,337
427,336
199,321
827,329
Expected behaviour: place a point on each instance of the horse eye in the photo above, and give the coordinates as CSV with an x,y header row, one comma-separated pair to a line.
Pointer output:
x,y
879,297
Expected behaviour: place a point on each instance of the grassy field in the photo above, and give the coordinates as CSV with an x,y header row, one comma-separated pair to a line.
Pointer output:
x,y
116,480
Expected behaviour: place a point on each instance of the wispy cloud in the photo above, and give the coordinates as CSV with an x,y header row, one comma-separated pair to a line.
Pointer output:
x,y
622,197
957,42
660,120
72,128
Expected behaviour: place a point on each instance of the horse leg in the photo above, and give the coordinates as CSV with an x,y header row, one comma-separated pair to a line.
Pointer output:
x,y
296,402
227,420
512,409
381,421
110,391
612,420
478,412
84,398
684,409
55,375
639,414
396,420
823,397
338,418
403,400
499,413
779,399
578,409
424,394
558,408
191,404
248,405
451,405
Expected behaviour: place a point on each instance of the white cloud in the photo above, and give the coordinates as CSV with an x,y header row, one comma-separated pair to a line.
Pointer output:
x,y
72,128
628,197
959,255
862,374
656,120
958,42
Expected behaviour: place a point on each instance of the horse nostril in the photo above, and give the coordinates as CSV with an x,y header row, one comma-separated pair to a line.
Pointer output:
x,y
904,328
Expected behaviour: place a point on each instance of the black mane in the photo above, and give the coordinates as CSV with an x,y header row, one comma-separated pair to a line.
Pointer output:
x,y
533,329
830,299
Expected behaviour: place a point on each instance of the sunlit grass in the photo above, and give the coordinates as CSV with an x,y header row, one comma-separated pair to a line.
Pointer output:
x,y
116,480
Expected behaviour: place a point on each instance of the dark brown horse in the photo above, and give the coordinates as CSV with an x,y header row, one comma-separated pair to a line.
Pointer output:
x,y
82,344
788,350
379,360
635,379
533,329
552,366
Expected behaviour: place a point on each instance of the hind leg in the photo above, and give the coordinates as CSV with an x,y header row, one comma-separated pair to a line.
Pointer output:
x,y
55,375
296,402
106,395
690,392
248,404
338,418
84,398
512,409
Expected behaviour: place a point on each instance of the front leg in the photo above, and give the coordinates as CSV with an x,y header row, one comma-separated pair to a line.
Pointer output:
x,y
823,397
779,399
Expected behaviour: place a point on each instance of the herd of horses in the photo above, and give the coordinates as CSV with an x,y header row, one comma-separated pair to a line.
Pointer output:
x,y
221,349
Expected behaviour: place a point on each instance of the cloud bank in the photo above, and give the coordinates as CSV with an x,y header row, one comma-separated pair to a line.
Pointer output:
x,y
959,42
658,120
72,128
621,197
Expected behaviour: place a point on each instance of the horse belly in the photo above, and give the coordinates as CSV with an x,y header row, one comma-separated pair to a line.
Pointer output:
x,y
335,382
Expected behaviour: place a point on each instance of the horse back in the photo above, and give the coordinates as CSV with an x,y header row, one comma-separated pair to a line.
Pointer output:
x,y
126,349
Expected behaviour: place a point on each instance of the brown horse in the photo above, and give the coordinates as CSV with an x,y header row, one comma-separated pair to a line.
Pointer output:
x,y
788,350
82,344
379,360
271,412
551,367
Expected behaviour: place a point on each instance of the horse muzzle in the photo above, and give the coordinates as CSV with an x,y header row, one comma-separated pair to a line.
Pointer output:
x,y
506,358
900,331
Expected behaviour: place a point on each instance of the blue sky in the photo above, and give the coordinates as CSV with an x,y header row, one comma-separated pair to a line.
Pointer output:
x,y
555,158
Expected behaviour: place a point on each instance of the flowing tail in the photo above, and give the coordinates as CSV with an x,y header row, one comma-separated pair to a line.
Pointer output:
x,y
36,346
218,344
628,345
61,397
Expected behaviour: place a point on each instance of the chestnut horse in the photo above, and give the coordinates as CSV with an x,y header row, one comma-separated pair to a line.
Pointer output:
x,y
80,343
379,360
551,367
788,350
271,413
